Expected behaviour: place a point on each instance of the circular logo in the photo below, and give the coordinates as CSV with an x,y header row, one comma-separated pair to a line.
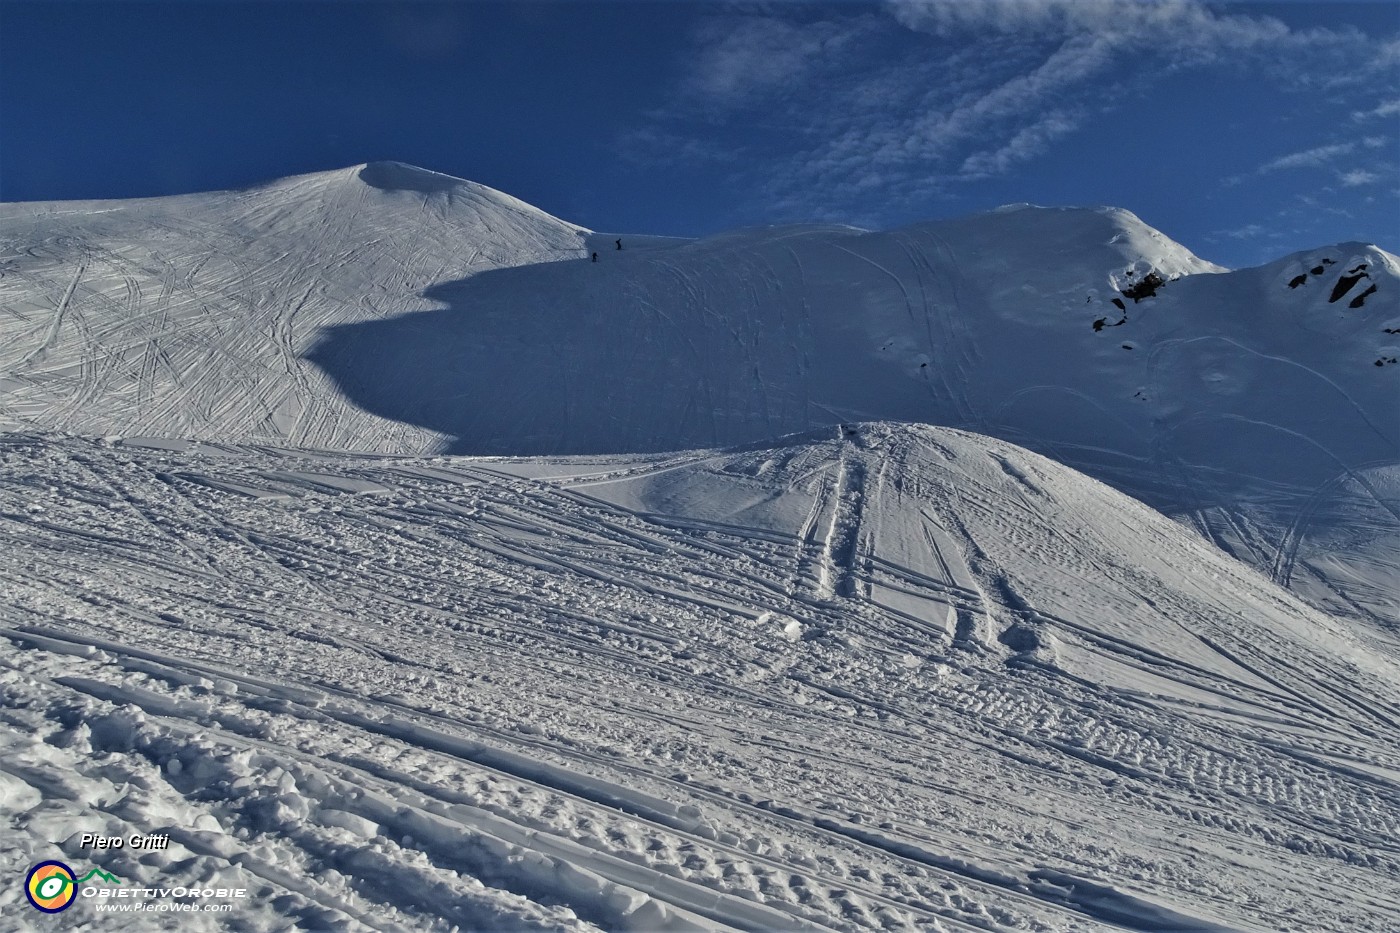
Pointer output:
x,y
50,887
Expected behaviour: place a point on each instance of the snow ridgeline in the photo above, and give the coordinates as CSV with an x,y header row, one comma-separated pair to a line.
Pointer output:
x,y
886,677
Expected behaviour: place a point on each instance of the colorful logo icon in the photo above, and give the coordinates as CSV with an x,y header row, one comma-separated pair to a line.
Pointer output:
x,y
50,887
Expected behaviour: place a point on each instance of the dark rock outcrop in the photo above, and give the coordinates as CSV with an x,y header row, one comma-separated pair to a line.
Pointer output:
x,y
1344,285
1145,288
1360,299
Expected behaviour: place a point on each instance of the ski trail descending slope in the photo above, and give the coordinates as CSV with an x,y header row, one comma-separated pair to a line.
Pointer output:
x,y
1343,549
397,693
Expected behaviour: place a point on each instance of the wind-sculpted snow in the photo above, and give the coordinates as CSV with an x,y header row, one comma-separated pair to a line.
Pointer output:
x,y
887,676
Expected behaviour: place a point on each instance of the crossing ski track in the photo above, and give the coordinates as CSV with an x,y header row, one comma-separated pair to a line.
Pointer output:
x,y
422,692
414,572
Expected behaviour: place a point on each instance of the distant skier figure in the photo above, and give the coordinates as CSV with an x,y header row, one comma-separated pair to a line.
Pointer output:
x,y
595,257
619,244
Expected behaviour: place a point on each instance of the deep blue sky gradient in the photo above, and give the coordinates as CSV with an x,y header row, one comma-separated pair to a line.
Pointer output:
x,y
680,118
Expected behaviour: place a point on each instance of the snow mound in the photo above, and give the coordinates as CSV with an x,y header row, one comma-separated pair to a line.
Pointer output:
x,y
991,540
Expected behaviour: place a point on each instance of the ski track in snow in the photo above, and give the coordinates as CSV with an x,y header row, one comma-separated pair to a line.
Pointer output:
x,y
417,693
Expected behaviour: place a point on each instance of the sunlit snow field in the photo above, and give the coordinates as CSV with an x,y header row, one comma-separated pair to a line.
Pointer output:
x,y
412,571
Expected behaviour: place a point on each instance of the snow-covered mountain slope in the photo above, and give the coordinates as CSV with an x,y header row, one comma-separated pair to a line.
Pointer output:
x,y
191,315
881,677
748,335
391,309
1250,403
1283,432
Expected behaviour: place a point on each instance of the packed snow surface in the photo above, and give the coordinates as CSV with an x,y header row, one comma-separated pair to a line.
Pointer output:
x,y
346,542
893,677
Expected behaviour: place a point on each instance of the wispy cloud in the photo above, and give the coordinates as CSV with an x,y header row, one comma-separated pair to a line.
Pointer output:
x,y
930,94
1308,158
1313,204
1387,108
1357,177
742,58
1179,23
1364,151
1026,144
1248,233
1004,105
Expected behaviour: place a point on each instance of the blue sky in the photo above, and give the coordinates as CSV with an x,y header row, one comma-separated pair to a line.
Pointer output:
x,y
1244,130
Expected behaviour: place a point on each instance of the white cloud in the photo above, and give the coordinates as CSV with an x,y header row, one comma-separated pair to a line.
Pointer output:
x,y
953,19
1308,158
1388,108
1390,52
902,105
1015,99
1314,205
1247,232
1326,155
1357,177
1026,144
1185,24
743,57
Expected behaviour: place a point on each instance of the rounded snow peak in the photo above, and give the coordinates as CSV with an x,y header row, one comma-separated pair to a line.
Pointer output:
x,y
1104,237
400,176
